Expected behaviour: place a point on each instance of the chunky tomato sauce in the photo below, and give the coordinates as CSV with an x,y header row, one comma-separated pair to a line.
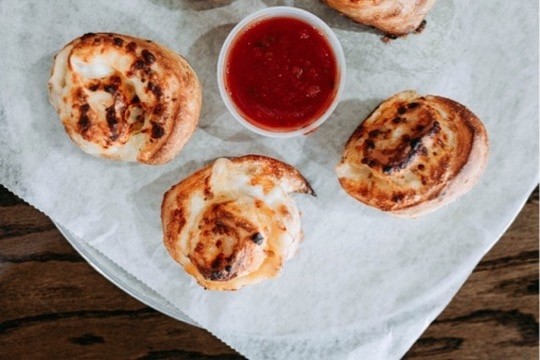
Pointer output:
x,y
281,74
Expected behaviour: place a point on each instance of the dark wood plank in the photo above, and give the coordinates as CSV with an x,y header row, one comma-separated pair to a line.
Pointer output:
x,y
54,305
495,314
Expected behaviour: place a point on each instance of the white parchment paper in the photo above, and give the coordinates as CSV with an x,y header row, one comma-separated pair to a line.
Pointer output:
x,y
364,284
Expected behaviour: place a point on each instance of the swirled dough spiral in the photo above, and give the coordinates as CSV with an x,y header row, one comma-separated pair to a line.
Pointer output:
x,y
396,17
414,154
233,223
125,98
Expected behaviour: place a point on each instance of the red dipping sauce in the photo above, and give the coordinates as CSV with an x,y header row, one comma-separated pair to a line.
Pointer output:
x,y
281,74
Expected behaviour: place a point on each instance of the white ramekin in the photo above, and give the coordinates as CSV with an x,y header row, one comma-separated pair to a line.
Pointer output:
x,y
281,11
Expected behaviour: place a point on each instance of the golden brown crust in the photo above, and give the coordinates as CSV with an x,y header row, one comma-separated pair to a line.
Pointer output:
x,y
232,223
125,98
396,17
414,154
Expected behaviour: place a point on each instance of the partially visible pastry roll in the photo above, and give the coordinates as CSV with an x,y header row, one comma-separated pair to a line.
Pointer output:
x,y
125,98
233,223
414,154
393,17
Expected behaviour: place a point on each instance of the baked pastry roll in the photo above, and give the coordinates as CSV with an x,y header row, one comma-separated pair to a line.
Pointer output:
x,y
125,98
395,17
414,154
232,223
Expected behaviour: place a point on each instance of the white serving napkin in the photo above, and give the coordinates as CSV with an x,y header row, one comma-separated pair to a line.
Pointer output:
x,y
364,284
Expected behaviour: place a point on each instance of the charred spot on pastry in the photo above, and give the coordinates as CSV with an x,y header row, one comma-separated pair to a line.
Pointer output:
x,y
148,57
415,143
374,133
208,194
388,37
421,27
112,122
155,89
421,167
257,238
220,228
110,88
401,110
220,269
397,197
115,79
387,169
370,145
139,64
396,120
413,105
131,46
135,100
84,121
93,87
216,263
364,161
157,131
215,275
178,215
111,116
435,129
158,109
118,42
87,36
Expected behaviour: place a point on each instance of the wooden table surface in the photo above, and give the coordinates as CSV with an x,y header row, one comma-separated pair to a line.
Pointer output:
x,y
53,305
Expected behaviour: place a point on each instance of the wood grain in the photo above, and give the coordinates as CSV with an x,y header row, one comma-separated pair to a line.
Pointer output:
x,y
495,314
55,306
